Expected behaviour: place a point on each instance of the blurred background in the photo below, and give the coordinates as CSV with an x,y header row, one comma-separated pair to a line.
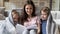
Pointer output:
x,y
18,4
8,4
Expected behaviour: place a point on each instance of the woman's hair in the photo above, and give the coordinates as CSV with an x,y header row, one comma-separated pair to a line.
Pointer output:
x,y
46,10
25,15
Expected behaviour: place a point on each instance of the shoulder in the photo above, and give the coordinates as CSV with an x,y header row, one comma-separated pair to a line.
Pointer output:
x,y
37,17
2,23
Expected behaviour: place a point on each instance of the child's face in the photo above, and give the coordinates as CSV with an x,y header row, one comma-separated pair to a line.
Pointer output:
x,y
44,15
15,17
29,9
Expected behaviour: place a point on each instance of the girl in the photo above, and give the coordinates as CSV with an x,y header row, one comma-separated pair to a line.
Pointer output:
x,y
29,18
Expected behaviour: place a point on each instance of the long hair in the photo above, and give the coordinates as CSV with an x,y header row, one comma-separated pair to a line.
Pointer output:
x,y
25,15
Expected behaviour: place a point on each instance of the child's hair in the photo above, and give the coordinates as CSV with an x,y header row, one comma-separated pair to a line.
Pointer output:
x,y
15,12
45,9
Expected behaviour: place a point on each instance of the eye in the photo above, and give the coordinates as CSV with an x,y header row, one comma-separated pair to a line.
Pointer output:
x,y
27,8
30,8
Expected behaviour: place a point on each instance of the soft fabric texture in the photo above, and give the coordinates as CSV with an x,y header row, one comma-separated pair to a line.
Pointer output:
x,y
51,25
29,31
11,29
44,22
31,26
2,25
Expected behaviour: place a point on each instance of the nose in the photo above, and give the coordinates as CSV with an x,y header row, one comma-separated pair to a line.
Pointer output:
x,y
29,10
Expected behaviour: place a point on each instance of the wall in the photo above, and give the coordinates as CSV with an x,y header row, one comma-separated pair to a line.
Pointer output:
x,y
1,3
55,5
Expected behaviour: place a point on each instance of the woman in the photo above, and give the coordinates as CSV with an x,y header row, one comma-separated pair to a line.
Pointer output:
x,y
30,20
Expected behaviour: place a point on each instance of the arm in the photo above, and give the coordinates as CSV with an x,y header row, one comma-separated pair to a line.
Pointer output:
x,y
38,26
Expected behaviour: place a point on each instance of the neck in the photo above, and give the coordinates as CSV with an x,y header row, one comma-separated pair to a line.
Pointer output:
x,y
29,16
44,20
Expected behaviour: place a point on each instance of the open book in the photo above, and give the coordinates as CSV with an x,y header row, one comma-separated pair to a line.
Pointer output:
x,y
20,28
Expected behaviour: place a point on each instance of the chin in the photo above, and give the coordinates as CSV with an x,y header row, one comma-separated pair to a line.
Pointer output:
x,y
43,19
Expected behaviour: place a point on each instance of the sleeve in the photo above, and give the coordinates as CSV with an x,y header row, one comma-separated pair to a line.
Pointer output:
x,y
38,22
2,25
10,28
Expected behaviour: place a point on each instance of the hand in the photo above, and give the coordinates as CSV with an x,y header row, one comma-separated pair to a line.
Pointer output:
x,y
38,32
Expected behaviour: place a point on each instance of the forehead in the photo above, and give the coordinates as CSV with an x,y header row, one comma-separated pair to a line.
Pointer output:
x,y
42,12
15,14
28,5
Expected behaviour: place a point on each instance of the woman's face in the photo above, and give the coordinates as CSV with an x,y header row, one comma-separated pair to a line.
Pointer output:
x,y
15,17
44,15
29,9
